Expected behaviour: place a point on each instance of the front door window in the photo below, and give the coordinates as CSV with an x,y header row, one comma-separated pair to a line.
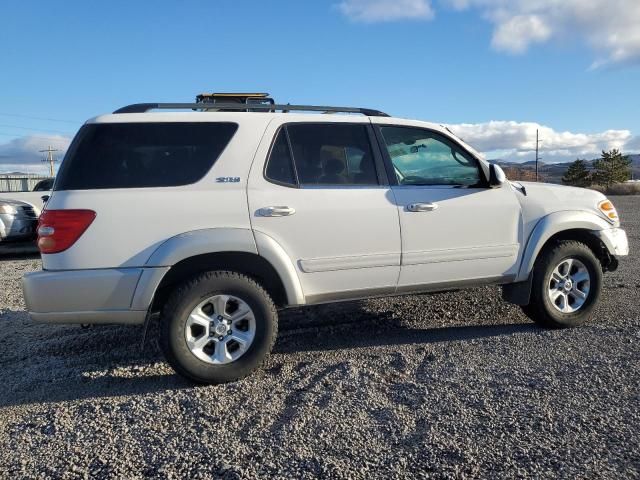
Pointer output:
x,y
424,157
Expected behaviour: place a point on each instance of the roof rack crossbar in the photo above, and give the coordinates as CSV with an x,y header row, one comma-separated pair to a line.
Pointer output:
x,y
145,107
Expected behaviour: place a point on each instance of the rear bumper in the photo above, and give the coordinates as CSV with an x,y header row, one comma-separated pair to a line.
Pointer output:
x,y
615,239
91,296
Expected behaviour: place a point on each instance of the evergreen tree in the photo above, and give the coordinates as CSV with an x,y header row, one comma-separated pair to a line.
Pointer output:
x,y
612,167
577,175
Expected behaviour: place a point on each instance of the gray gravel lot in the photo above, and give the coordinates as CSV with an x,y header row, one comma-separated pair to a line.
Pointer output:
x,y
452,385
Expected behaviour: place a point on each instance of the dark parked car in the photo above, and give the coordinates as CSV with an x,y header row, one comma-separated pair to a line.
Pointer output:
x,y
45,185
18,221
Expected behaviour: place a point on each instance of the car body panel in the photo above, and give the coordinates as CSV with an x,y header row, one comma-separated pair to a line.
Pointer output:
x,y
81,290
356,226
273,252
557,222
148,217
341,243
477,231
199,242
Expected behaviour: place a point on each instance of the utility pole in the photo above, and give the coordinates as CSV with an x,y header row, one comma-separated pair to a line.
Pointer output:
x,y
49,158
537,156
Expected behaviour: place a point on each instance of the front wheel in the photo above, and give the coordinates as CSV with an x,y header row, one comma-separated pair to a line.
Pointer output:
x,y
218,327
567,282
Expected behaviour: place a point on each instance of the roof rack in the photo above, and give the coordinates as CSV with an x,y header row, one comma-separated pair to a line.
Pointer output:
x,y
234,97
145,107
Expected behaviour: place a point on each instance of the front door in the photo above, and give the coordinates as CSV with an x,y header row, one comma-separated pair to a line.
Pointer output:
x,y
455,228
323,196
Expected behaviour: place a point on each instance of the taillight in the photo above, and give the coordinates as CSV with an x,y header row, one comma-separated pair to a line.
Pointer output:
x,y
60,229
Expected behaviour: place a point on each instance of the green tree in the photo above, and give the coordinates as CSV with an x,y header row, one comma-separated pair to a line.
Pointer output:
x,y
612,167
577,174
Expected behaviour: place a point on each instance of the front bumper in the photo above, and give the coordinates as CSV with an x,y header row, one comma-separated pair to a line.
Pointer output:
x,y
615,239
15,227
119,295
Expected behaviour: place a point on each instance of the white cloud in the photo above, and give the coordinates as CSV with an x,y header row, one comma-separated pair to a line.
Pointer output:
x,y
516,34
508,140
517,141
22,154
608,27
386,10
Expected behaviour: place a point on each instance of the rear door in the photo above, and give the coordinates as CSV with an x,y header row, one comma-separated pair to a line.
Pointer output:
x,y
455,228
323,197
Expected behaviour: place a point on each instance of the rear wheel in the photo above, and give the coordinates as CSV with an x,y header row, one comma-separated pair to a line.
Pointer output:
x,y
567,281
218,327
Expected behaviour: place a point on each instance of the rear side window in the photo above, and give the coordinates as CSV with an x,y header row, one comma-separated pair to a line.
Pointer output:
x,y
323,154
137,155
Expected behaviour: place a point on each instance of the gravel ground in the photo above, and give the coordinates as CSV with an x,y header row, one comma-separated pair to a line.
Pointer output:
x,y
455,385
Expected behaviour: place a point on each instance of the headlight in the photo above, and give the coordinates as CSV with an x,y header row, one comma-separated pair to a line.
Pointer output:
x,y
11,210
608,210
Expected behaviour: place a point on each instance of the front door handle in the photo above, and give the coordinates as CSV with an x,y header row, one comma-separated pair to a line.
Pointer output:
x,y
282,211
422,207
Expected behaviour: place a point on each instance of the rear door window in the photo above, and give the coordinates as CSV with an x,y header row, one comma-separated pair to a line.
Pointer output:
x,y
332,154
323,154
280,167
138,155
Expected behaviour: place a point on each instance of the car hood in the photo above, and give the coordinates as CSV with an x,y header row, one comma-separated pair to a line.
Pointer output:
x,y
541,199
14,203
560,197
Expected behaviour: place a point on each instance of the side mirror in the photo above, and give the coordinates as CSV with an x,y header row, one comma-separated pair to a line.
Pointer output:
x,y
496,175
44,198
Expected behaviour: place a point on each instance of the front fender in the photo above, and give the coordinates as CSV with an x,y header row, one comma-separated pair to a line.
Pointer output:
x,y
552,224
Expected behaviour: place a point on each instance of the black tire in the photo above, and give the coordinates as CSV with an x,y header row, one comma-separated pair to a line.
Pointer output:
x,y
540,308
180,305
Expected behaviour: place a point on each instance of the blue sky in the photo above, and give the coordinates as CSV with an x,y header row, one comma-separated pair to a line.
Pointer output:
x,y
493,69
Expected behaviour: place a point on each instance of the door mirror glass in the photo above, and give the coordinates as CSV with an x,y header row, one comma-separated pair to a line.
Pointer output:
x,y
497,175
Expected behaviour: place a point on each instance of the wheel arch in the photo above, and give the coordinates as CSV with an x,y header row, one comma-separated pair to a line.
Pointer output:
x,y
569,225
250,264
580,226
233,249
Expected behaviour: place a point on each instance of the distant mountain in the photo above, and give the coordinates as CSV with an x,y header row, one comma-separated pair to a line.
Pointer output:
x,y
553,172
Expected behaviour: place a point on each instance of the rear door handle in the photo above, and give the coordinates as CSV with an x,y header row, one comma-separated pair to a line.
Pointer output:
x,y
282,211
422,207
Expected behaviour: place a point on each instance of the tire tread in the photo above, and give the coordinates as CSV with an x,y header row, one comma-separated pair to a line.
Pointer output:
x,y
172,304
536,309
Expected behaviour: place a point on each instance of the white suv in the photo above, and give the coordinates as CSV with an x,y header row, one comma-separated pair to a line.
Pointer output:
x,y
217,219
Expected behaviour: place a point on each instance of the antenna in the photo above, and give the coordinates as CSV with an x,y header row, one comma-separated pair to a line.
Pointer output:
x,y
49,158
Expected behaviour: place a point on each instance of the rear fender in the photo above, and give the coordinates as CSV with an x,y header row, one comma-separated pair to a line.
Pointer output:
x,y
218,240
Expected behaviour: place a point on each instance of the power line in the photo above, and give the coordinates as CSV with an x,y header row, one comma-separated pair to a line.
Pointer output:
x,y
17,115
32,130
49,138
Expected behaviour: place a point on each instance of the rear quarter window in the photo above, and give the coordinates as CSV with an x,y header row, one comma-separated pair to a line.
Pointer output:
x,y
138,155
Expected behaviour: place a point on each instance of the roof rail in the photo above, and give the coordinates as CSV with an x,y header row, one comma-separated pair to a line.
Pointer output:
x,y
145,107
